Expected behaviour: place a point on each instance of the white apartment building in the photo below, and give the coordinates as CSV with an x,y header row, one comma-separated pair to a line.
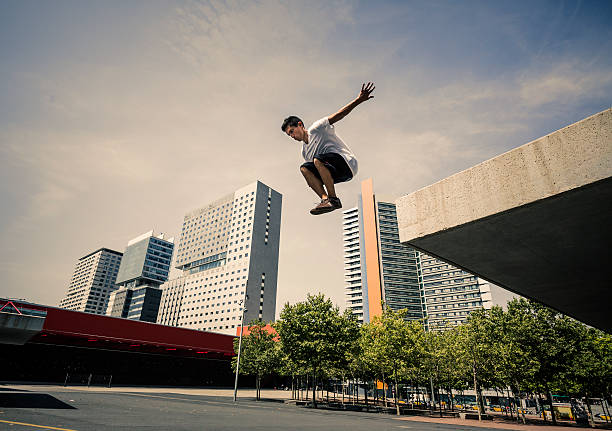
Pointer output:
x,y
450,294
93,281
228,253
353,286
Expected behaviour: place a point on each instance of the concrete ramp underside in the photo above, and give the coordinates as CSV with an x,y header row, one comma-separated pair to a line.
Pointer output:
x,y
536,220
557,251
19,328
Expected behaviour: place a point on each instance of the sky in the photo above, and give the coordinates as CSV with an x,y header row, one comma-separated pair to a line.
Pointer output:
x,y
118,117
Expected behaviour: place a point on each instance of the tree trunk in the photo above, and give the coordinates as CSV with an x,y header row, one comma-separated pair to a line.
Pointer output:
x,y
591,419
384,391
375,392
541,407
605,407
521,405
397,409
421,397
433,395
366,396
476,391
517,406
343,389
552,410
307,387
499,401
314,390
509,403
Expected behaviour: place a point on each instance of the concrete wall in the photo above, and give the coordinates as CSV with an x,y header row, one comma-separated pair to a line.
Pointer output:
x,y
572,157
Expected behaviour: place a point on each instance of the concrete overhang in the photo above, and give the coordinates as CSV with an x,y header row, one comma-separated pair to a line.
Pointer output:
x,y
19,328
536,220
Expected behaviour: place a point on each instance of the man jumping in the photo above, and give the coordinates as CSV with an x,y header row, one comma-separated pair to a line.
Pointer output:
x,y
328,159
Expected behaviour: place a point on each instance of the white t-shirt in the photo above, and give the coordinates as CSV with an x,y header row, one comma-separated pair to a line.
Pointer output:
x,y
322,138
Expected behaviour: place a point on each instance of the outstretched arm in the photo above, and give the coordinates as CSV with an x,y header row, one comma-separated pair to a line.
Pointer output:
x,y
364,94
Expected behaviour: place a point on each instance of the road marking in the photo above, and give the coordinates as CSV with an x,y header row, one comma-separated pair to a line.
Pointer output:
x,y
36,426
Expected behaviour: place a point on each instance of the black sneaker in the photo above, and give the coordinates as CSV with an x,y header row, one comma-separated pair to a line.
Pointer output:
x,y
324,207
335,201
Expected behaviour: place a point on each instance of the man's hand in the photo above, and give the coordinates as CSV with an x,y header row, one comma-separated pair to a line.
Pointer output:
x,y
366,90
364,94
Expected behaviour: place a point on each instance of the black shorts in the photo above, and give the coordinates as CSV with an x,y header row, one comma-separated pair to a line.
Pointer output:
x,y
336,164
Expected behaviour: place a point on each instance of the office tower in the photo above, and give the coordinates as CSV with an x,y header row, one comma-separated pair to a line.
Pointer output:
x,y
353,264
144,267
377,267
450,294
227,252
92,282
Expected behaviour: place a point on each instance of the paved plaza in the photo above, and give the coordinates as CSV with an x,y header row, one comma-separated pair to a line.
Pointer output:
x,y
82,409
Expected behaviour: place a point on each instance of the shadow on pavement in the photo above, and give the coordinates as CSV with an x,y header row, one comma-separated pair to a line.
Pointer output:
x,y
31,401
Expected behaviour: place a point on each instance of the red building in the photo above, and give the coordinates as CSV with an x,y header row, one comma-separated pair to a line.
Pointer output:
x,y
49,344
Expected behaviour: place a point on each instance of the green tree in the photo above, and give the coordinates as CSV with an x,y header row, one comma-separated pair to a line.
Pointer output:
x,y
480,350
391,343
549,341
449,370
590,373
315,336
260,354
517,368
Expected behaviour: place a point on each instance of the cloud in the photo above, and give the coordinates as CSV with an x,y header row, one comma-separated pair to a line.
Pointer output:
x,y
102,147
563,83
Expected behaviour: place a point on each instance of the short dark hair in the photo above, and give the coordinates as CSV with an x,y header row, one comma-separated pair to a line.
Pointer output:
x,y
292,120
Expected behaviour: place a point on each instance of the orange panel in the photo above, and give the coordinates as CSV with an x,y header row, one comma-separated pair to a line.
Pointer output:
x,y
371,248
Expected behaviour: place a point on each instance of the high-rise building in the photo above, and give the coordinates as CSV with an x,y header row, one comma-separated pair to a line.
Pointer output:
x,y
450,294
228,255
379,269
93,281
353,264
144,267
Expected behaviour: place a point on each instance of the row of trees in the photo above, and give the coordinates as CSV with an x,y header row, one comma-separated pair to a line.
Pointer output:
x,y
528,349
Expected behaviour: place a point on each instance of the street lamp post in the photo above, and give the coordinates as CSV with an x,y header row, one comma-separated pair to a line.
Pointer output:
x,y
239,348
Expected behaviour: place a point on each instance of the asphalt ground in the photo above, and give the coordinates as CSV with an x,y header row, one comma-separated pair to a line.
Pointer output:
x,y
84,410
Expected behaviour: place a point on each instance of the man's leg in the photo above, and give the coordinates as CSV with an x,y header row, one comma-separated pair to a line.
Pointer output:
x,y
327,179
314,182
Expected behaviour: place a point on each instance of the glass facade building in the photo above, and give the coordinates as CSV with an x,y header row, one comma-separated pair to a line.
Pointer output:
x,y
146,260
145,266
399,265
379,269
